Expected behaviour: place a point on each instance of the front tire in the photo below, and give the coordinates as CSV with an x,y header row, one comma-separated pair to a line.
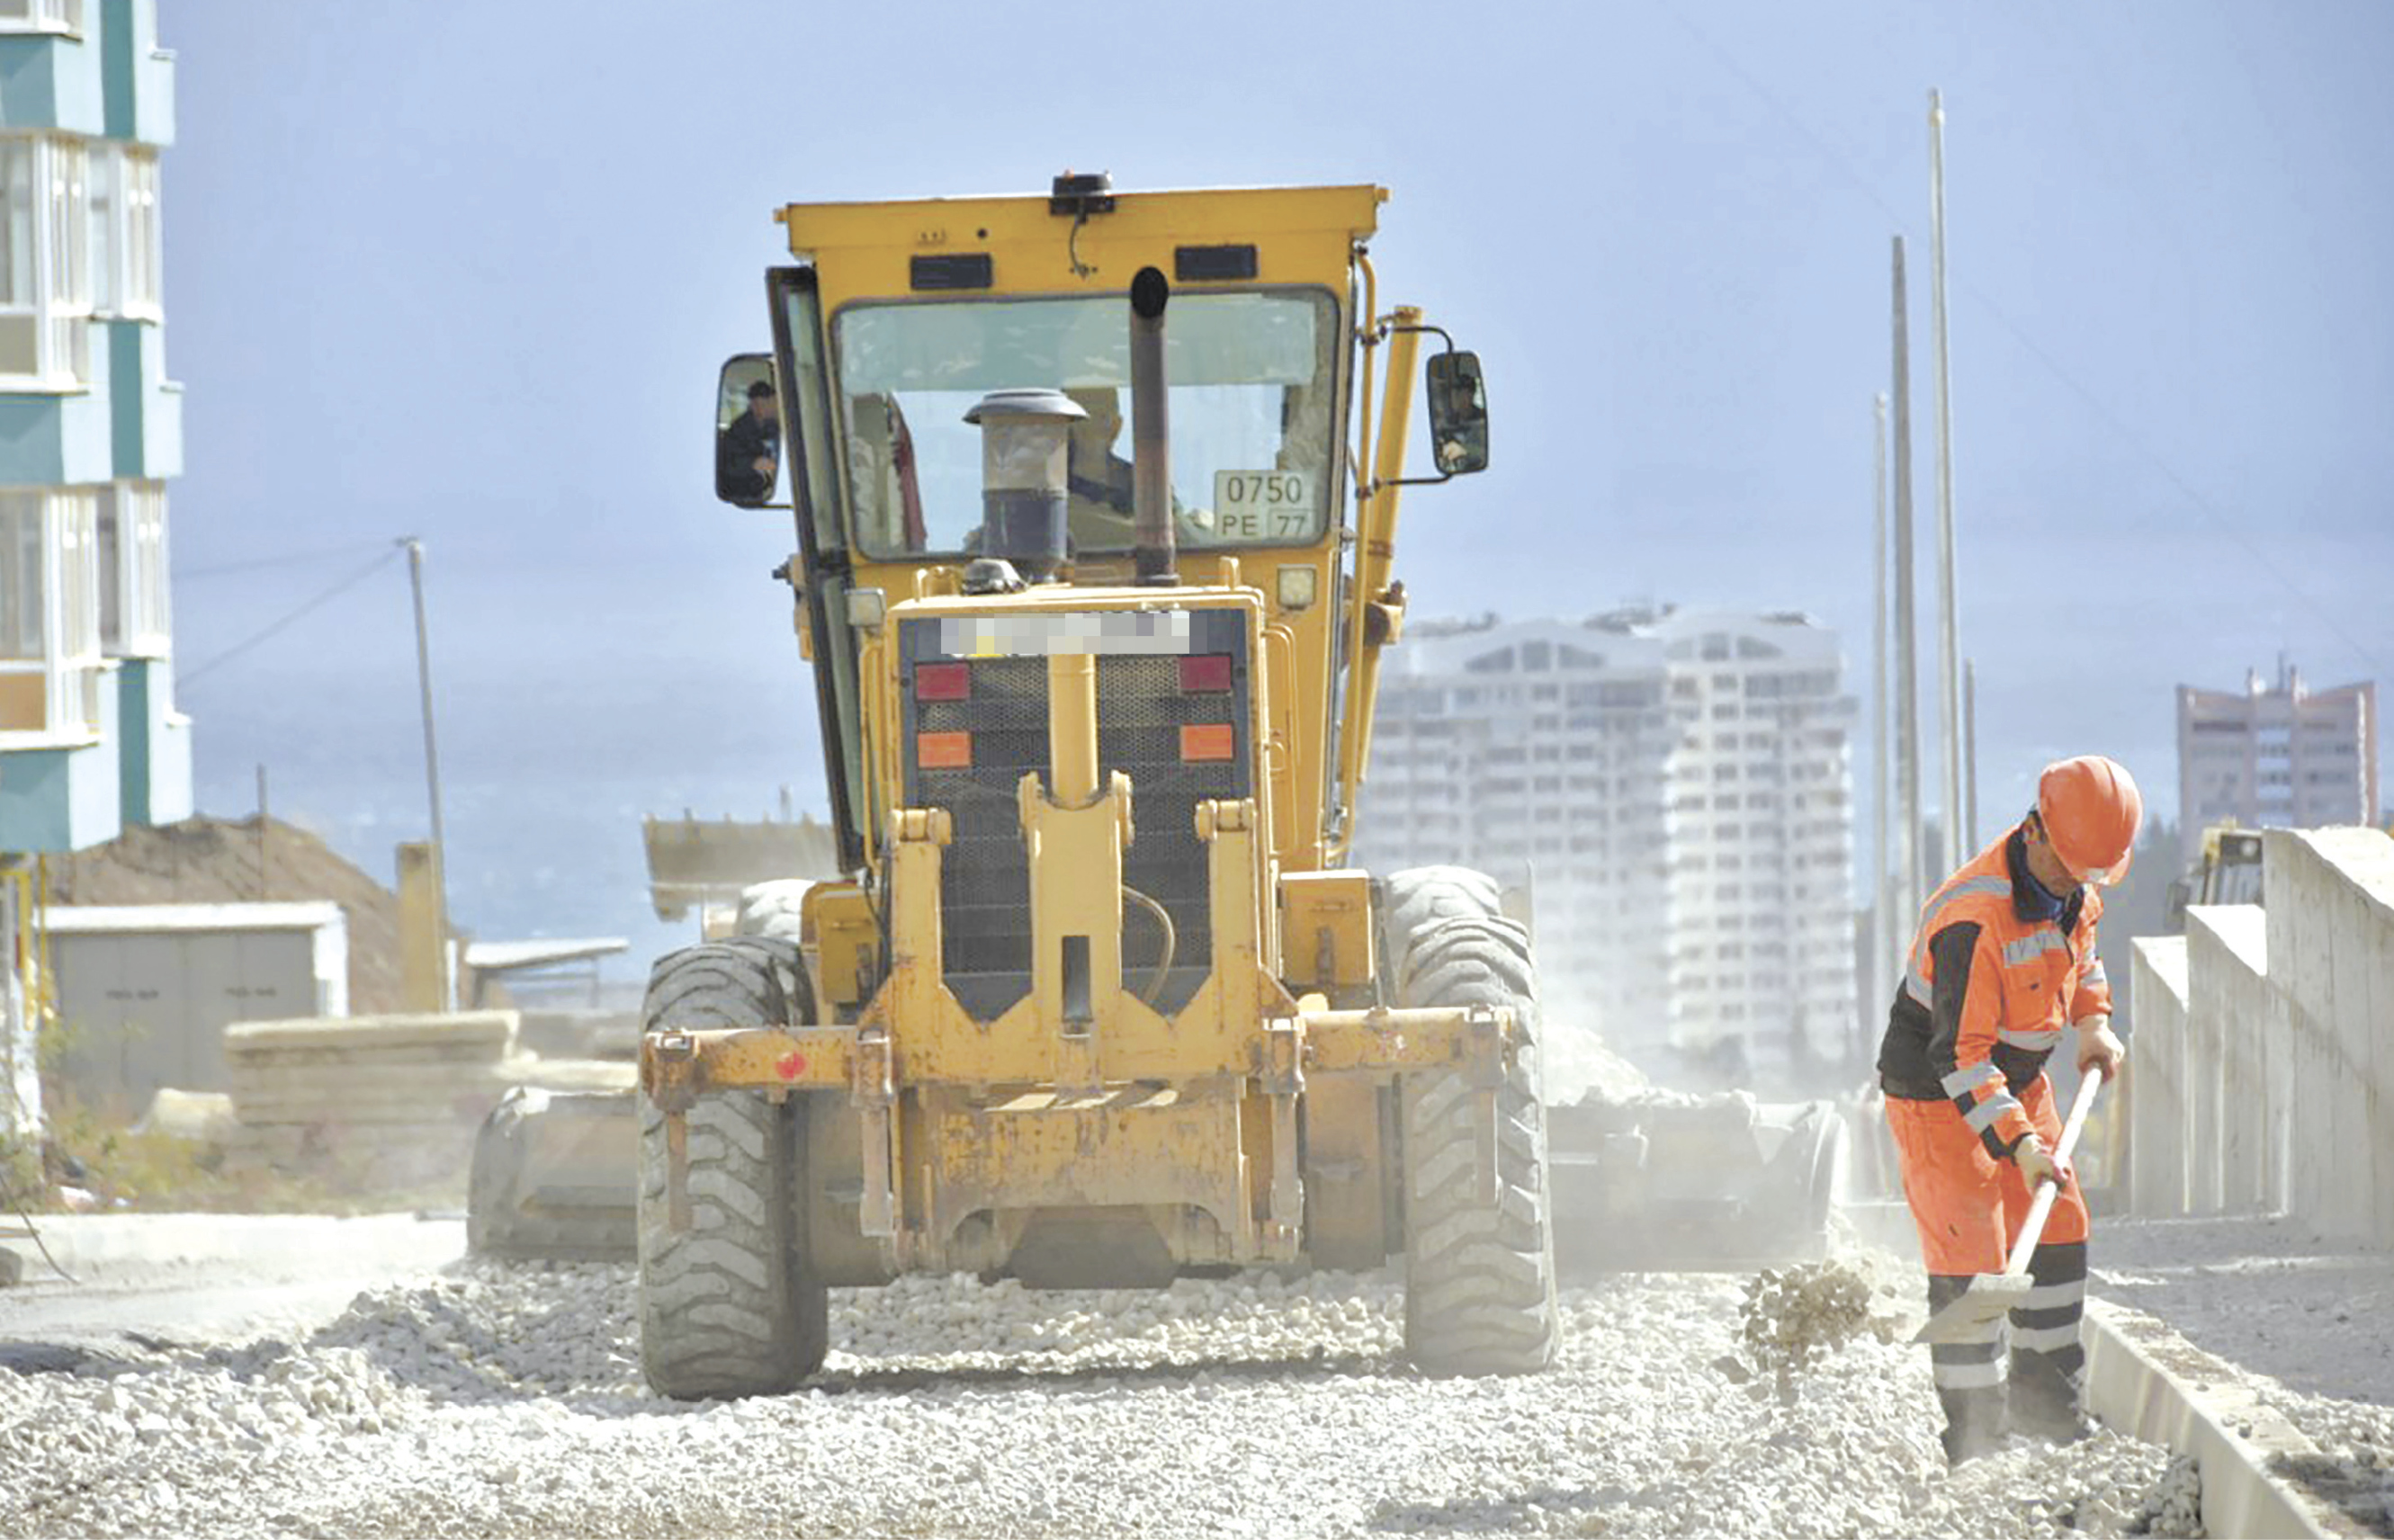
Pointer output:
x,y
1480,1274
731,1306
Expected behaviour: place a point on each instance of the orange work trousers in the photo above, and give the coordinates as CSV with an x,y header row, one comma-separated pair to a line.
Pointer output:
x,y
1969,1205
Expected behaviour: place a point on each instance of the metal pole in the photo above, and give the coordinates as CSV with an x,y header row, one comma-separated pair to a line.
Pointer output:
x,y
1907,685
1970,745
1884,940
262,881
1948,622
432,780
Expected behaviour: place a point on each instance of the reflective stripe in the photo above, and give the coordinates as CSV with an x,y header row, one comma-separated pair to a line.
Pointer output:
x,y
1982,1117
1915,974
1966,1377
1934,909
2045,1339
1969,1077
2001,885
2095,977
2046,1297
2035,945
2041,1042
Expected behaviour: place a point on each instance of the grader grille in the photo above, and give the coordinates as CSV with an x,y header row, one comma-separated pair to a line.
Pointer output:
x,y
991,713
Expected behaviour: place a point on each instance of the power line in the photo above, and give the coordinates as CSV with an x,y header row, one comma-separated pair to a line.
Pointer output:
x,y
293,558
2201,505
321,600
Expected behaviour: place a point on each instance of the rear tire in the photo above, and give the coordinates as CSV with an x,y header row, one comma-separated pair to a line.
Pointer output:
x,y
1480,1275
731,1306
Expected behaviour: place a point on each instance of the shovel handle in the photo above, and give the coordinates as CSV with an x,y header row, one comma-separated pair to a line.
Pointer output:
x,y
2042,1205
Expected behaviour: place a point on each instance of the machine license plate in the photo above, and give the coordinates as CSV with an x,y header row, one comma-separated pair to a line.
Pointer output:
x,y
1262,504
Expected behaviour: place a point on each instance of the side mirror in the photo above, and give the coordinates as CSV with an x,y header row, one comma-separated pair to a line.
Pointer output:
x,y
1458,412
747,431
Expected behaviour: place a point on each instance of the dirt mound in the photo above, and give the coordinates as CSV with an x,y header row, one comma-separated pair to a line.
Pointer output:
x,y
224,860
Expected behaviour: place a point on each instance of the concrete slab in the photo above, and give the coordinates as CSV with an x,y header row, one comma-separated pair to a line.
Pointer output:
x,y
2154,1087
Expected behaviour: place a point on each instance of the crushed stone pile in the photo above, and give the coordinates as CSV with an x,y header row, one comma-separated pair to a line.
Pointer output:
x,y
508,1400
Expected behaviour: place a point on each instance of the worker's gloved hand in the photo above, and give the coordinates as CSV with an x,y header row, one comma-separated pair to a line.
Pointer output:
x,y
2099,1045
2036,1163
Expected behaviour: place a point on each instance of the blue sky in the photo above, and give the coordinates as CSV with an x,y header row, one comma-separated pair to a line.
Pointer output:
x,y
466,273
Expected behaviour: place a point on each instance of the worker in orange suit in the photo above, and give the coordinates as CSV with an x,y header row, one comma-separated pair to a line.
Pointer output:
x,y
2003,969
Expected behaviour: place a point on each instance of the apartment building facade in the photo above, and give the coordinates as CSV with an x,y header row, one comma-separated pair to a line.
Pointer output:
x,y
2280,756
1675,788
90,430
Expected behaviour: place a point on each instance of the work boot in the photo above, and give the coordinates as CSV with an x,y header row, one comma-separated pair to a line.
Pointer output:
x,y
2066,1427
1973,1423
2044,1401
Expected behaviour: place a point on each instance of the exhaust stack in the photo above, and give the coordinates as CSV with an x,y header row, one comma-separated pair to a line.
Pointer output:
x,y
1150,433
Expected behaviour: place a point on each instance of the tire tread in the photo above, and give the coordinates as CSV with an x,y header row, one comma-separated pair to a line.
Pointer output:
x,y
726,1308
1480,1276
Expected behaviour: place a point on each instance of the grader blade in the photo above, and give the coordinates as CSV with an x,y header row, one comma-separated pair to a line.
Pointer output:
x,y
1669,1183
555,1177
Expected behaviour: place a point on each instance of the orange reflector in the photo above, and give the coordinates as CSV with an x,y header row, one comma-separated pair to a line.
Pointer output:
x,y
1207,740
944,750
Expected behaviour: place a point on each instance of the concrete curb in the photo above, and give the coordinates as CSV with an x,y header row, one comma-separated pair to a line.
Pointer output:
x,y
2144,1379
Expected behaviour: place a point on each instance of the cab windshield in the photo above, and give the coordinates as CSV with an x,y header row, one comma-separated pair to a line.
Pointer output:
x,y
1252,379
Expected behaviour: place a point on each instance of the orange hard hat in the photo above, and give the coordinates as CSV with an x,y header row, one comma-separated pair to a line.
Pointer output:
x,y
2090,808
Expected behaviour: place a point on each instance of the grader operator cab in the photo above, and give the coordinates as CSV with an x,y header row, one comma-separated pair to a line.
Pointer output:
x,y
1098,998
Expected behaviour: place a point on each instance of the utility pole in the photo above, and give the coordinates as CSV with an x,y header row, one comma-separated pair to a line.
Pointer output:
x,y
1907,684
1970,745
432,782
1882,908
1948,621
264,883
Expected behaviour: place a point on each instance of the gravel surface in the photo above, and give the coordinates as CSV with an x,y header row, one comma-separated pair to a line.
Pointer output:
x,y
2273,1294
507,1400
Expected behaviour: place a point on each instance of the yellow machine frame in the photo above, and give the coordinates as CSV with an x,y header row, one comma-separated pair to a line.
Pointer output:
x,y
961,1130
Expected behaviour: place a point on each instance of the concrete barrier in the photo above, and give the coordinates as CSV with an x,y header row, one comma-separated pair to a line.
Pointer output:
x,y
2329,894
2261,1077
2155,1084
2202,1075
2238,1022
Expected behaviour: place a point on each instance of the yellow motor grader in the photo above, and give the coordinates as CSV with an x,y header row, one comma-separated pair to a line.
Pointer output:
x,y
1097,999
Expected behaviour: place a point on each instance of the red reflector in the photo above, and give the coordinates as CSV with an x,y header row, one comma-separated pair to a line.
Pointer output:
x,y
943,682
1207,740
944,750
1205,671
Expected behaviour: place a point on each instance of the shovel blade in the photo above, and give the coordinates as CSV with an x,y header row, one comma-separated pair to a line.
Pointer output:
x,y
1988,1297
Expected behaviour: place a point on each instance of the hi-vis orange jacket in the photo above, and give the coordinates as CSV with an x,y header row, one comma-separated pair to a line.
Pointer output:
x,y
1996,972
